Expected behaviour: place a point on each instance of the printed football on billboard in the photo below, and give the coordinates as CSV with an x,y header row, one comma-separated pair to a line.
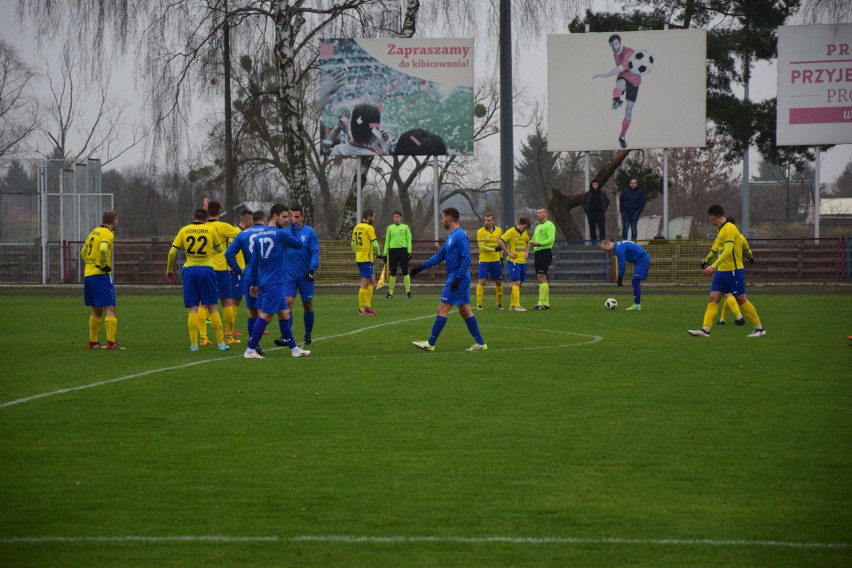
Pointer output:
x,y
641,62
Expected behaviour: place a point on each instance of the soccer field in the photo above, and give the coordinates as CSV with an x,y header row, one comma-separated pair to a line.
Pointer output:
x,y
580,437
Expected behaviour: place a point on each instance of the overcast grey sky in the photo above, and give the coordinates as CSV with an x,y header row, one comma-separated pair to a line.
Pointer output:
x,y
532,71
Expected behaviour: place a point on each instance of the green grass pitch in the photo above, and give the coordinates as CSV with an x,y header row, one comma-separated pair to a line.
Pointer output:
x,y
581,437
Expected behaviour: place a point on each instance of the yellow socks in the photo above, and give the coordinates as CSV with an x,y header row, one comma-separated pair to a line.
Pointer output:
x,y
750,313
229,319
407,280
94,329
516,296
710,314
192,323
730,305
362,299
499,293
202,314
111,324
369,296
544,294
480,294
216,322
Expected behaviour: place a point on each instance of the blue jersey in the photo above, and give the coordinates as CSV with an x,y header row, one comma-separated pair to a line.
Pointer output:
x,y
244,242
628,251
456,251
299,262
269,260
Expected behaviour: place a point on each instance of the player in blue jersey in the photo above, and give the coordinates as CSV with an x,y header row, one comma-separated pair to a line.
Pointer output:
x,y
628,251
267,277
456,292
301,267
244,243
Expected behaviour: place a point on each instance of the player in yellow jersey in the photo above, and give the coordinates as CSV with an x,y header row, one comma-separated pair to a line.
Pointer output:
x,y
98,287
728,275
365,245
490,263
227,283
730,304
201,243
515,242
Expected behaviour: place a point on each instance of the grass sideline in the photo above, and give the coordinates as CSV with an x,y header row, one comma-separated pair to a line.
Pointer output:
x,y
582,437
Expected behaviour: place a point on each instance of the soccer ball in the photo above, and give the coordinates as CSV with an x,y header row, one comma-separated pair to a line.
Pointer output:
x,y
641,62
610,304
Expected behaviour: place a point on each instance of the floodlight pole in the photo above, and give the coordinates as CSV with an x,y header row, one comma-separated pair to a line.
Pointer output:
x,y
745,217
507,150
816,193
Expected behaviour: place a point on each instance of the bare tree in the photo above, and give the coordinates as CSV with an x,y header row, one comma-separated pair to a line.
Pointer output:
x,y
75,132
19,111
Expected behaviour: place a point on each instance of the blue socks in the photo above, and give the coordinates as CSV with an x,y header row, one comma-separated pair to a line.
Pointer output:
x,y
637,291
439,324
309,323
257,332
473,328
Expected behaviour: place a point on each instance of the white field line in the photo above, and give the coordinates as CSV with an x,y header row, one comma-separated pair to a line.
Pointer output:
x,y
31,398
355,539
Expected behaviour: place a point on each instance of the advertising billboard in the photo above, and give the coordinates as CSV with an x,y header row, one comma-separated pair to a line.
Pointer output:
x,y
396,96
814,85
607,91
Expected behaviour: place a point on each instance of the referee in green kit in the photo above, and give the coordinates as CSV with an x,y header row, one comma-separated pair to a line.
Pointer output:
x,y
398,252
542,243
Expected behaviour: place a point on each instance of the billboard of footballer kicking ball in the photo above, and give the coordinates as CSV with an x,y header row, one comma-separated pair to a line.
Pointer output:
x,y
608,91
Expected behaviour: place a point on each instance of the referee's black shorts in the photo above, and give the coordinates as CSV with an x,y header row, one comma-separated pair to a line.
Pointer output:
x,y
398,257
542,260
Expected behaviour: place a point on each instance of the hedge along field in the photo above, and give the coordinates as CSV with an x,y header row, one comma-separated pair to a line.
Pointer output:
x,y
582,436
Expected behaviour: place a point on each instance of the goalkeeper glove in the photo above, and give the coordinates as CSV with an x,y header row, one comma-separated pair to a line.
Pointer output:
x,y
620,281
415,270
455,284
310,275
106,269
751,260
704,264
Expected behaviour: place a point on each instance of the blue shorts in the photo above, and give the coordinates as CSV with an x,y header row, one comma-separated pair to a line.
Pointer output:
x,y
640,269
366,269
199,286
517,271
252,303
236,290
302,286
458,297
491,270
729,282
271,298
99,291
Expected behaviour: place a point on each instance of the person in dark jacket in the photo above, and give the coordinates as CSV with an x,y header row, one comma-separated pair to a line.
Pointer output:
x,y
631,203
595,204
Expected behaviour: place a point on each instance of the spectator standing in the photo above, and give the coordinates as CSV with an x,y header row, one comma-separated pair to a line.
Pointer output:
x,y
595,204
631,202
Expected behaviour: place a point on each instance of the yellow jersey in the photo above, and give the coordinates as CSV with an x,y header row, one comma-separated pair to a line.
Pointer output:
x,y
198,240
97,250
518,243
363,237
730,255
489,250
226,233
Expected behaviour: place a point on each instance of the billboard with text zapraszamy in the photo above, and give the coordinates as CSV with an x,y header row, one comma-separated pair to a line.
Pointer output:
x,y
396,97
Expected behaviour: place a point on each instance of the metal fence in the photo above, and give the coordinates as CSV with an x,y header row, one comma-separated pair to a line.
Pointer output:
x,y
575,262
44,203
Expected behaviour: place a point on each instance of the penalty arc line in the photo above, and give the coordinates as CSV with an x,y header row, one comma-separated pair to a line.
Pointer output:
x,y
355,539
214,360
174,368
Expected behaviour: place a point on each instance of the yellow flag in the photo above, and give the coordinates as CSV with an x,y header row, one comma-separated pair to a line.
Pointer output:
x,y
382,277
